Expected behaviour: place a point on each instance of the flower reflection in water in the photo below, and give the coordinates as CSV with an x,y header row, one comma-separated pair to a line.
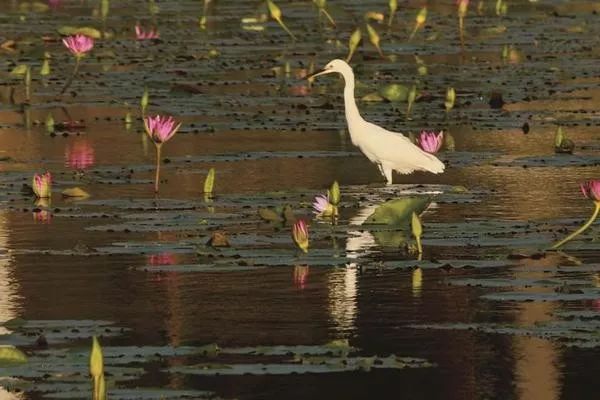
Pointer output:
x,y
8,286
79,155
301,276
42,214
162,259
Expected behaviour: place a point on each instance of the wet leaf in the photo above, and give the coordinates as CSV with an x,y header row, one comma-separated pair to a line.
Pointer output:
x,y
85,30
75,192
398,212
394,92
10,355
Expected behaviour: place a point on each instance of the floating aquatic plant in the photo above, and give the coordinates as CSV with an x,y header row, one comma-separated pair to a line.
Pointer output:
x,y
49,123
42,185
421,67
275,13
353,43
591,190
419,21
450,99
562,144
79,45
300,235
430,141
160,129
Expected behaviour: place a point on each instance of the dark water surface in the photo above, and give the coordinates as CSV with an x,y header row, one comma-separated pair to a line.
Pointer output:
x,y
478,320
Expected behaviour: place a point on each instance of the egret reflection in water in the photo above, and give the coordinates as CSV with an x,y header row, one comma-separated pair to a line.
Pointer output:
x,y
8,287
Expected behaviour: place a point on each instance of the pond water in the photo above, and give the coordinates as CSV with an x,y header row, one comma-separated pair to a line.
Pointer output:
x,y
486,313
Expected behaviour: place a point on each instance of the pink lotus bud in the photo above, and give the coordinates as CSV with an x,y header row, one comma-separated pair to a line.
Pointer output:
x,y
42,185
160,128
300,235
591,189
431,142
78,44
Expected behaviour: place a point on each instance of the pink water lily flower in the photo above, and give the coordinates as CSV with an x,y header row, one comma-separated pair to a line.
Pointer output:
x,y
79,44
300,235
431,142
42,185
591,190
160,128
141,34
321,204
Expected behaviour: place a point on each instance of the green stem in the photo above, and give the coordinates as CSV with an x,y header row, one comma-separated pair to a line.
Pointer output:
x,y
461,28
75,71
157,177
419,245
580,230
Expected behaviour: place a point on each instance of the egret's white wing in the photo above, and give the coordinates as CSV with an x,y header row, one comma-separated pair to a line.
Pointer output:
x,y
396,151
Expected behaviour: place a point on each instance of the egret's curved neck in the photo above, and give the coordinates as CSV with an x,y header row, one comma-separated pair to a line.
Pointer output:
x,y
352,113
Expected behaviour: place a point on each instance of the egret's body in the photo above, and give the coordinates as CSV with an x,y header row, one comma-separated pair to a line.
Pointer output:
x,y
391,151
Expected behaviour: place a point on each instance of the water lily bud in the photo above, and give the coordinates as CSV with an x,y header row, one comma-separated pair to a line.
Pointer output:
x,y
498,7
275,13
104,7
374,39
300,235
463,6
334,193
374,15
450,99
209,182
144,101
96,359
412,96
417,231
393,5
49,123
42,185
430,141
422,16
274,10
45,69
559,137
353,43
591,190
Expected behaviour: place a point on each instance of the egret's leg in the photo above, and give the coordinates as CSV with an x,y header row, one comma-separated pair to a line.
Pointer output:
x,y
380,169
388,174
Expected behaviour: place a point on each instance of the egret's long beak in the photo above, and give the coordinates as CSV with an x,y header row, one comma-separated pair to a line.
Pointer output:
x,y
315,74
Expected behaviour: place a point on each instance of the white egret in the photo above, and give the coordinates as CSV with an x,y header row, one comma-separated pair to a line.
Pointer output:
x,y
391,151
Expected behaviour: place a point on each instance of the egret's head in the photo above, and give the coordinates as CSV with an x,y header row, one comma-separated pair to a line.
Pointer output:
x,y
339,66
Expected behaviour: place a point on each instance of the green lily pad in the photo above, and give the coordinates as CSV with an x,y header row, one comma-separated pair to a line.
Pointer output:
x,y
398,212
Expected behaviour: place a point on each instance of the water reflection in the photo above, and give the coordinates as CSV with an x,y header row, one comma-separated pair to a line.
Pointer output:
x,y
342,287
8,286
42,213
79,155
537,360
301,276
